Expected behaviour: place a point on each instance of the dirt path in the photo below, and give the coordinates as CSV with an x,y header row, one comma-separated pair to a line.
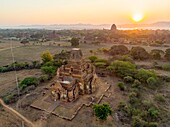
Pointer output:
x,y
9,48
29,123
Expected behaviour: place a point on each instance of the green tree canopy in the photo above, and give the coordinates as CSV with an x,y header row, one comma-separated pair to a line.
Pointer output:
x,y
102,111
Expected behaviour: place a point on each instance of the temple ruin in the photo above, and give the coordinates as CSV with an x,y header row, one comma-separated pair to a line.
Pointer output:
x,y
76,78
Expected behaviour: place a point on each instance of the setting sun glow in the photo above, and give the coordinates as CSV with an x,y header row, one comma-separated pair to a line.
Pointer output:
x,y
137,17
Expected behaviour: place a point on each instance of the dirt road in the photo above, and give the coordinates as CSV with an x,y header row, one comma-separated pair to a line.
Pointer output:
x,y
11,110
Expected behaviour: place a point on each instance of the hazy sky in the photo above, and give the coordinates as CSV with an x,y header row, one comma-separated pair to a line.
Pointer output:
x,y
20,12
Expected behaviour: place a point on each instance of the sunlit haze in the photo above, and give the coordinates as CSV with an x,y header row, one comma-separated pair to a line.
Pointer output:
x,y
24,12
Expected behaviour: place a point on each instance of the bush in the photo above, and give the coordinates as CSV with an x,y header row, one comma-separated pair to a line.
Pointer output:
x,y
126,58
49,70
102,111
121,86
46,57
9,99
93,58
43,78
152,81
136,83
166,67
153,113
138,122
100,64
152,124
143,75
139,53
167,54
160,98
122,68
118,50
128,79
28,82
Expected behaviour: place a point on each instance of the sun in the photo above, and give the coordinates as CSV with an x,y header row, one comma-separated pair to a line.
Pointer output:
x,y
137,17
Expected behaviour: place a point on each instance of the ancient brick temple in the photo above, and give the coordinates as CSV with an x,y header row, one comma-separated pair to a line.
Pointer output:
x,y
76,78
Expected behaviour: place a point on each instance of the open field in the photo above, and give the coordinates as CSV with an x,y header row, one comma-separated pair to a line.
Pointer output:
x,y
31,52
7,80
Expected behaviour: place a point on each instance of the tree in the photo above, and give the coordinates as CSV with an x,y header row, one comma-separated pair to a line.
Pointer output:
x,y
74,42
49,70
102,111
122,68
46,57
28,82
24,41
156,54
118,50
139,53
167,54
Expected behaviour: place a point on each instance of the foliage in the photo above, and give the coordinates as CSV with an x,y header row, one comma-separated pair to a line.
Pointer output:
x,y
102,111
167,54
152,124
28,82
43,78
154,113
118,50
49,70
100,64
9,99
93,58
138,122
74,42
136,83
46,57
156,54
139,53
160,98
143,75
24,41
152,81
126,58
128,79
122,68
121,86
62,57
166,67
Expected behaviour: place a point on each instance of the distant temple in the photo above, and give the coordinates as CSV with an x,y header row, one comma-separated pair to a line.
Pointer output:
x,y
76,78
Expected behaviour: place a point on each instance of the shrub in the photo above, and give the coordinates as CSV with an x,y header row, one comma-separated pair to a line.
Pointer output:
x,y
28,82
101,60
122,68
167,54
93,58
102,111
128,79
138,122
152,81
160,98
46,57
118,50
152,124
43,78
126,58
49,70
100,64
142,75
153,113
139,53
9,99
156,54
136,83
121,86
166,67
